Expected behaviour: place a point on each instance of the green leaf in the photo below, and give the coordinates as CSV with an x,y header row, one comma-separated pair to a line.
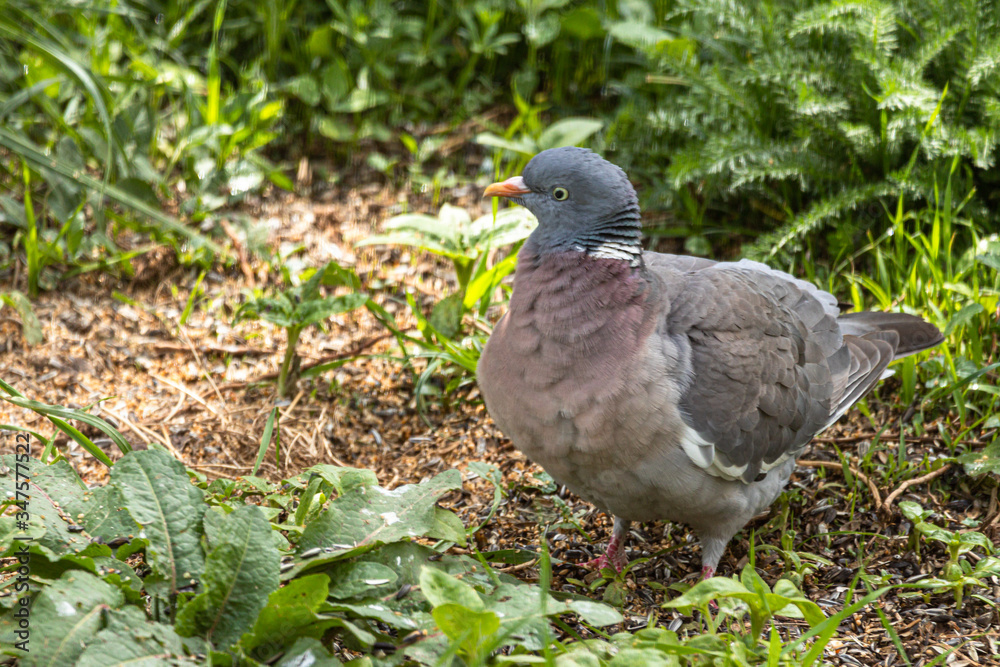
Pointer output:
x,y
360,579
160,497
335,275
99,510
240,574
640,36
311,312
569,132
963,317
65,617
104,514
368,516
344,480
991,260
49,528
596,613
446,317
913,511
441,588
307,651
58,416
523,147
986,460
447,526
487,281
471,625
291,612
303,87
129,638
582,23
510,225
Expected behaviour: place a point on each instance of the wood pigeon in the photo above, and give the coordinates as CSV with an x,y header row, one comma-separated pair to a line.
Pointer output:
x,y
661,386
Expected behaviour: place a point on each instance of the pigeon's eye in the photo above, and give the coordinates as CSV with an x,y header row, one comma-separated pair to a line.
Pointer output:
x,y
560,194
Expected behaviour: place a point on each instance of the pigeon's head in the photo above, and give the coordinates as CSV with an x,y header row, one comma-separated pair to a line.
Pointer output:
x,y
581,200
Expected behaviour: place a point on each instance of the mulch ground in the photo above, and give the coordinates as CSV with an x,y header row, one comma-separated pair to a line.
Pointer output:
x,y
196,389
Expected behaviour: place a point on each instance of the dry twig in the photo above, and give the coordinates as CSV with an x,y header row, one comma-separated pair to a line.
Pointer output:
x,y
834,465
886,508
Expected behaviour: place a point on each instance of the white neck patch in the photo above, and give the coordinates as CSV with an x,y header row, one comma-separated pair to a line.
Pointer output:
x,y
616,251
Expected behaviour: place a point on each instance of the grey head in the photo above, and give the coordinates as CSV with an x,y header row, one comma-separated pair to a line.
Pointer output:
x,y
582,202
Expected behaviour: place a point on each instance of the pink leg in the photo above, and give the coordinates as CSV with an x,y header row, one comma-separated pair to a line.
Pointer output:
x,y
707,572
615,555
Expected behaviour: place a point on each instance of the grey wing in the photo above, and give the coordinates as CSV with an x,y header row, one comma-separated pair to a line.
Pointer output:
x,y
663,262
769,367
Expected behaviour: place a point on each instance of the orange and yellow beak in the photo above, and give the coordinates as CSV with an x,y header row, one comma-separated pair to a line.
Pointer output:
x,y
512,187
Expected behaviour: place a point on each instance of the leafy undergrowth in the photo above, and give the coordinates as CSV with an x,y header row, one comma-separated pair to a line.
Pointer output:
x,y
162,566
253,572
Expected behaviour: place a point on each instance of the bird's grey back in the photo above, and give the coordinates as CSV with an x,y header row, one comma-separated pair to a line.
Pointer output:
x,y
772,360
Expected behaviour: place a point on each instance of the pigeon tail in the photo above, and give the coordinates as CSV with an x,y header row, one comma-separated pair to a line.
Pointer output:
x,y
915,335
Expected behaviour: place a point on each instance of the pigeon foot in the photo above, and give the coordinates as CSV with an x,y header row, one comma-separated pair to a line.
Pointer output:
x,y
615,555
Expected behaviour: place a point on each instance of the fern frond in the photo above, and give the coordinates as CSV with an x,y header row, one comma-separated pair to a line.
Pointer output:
x,y
790,236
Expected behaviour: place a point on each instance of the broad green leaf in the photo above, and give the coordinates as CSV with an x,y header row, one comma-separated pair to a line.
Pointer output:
x,y
913,511
305,88
291,612
240,574
453,218
596,613
457,621
446,317
991,260
638,35
986,460
705,591
160,497
376,609
129,638
344,480
440,588
974,539
493,141
582,23
509,226
335,275
307,651
98,510
569,132
360,100
934,532
65,617
46,522
360,579
372,515
104,514
447,526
